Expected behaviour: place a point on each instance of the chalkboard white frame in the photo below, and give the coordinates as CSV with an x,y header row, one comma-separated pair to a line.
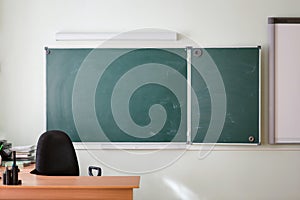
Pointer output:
x,y
161,145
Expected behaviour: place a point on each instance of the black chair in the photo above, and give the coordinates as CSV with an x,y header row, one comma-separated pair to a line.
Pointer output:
x,y
56,156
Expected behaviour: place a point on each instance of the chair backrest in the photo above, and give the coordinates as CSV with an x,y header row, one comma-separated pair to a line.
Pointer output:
x,y
55,155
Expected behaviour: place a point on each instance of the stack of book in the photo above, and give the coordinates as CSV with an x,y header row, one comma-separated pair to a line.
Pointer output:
x,y
25,153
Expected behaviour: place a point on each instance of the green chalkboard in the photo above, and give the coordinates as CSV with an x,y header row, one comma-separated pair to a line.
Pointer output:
x,y
141,95
227,89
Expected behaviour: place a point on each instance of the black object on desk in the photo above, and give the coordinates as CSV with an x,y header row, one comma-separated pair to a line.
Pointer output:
x,y
97,169
11,176
5,151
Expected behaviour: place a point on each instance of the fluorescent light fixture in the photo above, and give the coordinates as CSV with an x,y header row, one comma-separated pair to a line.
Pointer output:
x,y
77,36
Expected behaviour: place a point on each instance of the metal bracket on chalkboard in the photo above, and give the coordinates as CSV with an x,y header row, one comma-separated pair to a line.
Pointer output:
x,y
47,50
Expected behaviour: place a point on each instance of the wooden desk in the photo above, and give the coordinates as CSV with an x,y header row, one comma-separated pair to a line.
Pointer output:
x,y
71,187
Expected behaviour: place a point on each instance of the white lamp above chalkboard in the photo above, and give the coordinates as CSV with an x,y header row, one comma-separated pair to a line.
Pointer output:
x,y
133,35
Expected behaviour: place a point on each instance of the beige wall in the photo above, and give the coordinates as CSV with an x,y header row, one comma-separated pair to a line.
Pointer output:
x,y
265,172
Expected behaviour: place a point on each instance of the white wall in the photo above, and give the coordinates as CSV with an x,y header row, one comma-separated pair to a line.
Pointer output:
x,y
265,172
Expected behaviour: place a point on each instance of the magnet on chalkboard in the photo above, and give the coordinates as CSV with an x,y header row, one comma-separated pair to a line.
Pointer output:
x,y
197,52
251,139
47,50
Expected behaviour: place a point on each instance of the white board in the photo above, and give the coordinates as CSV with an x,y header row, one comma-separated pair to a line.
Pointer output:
x,y
284,81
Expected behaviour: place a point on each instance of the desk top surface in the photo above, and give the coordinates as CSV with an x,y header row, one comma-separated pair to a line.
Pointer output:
x,y
38,181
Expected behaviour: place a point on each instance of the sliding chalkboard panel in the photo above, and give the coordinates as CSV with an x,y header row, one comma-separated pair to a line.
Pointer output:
x,y
227,96
143,95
